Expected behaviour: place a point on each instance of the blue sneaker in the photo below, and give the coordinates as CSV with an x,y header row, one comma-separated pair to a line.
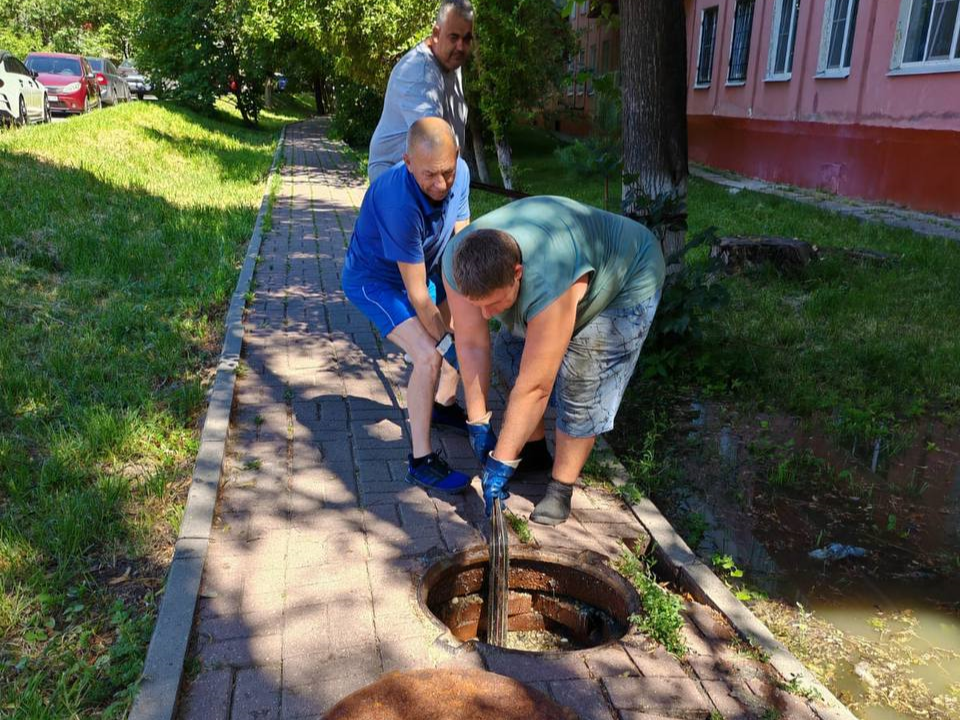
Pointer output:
x,y
449,416
435,474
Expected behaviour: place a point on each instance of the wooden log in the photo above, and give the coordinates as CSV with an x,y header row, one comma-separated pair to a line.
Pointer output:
x,y
785,253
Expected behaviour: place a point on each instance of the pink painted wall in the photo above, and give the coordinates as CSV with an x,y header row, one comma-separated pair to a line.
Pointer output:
x,y
868,96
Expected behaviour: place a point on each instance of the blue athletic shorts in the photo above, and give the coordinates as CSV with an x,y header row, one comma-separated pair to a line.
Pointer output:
x,y
384,304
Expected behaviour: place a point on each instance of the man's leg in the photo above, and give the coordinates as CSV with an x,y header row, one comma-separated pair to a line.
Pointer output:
x,y
593,377
390,310
416,342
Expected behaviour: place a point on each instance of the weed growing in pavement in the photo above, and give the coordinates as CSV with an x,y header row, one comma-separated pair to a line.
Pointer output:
x,y
796,686
109,327
521,526
661,618
727,570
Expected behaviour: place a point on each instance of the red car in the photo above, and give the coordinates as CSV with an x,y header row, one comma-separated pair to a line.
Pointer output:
x,y
70,81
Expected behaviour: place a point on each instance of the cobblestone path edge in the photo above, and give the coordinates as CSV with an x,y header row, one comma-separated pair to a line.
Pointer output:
x,y
156,697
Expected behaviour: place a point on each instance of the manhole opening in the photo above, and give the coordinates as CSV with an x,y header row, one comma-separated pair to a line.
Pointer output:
x,y
557,601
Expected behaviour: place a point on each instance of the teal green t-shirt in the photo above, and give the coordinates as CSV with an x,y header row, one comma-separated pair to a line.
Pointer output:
x,y
561,240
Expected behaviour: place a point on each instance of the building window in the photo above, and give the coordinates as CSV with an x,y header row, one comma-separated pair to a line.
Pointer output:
x,y
708,40
839,22
933,27
783,39
740,42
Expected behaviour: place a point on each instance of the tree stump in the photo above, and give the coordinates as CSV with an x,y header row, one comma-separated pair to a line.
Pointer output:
x,y
465,694
785,253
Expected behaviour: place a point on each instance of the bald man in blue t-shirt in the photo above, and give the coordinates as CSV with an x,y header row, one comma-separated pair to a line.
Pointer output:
x,y
391,274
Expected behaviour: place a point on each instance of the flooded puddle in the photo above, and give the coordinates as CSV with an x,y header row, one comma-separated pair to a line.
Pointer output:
x,y
882,628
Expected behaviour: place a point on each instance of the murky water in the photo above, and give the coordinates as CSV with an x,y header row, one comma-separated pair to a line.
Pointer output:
x,y
898,608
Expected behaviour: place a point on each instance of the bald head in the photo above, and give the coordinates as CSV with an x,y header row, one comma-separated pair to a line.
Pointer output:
x,y
432,135
431,156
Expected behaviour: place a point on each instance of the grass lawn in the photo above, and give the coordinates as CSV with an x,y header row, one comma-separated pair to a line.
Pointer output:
x,y
877,343
121,234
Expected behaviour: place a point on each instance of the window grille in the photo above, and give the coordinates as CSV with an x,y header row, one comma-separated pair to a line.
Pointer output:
x,y
708,38
740,46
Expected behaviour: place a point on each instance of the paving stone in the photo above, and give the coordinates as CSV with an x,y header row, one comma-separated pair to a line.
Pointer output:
x,y
332,664
584,697
208,696
714,629
610,661
526,667
256,695
678,697
243,652
722,696
234,626
651,658
790,706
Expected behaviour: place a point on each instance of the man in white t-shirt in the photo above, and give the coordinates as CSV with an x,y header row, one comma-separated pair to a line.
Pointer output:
x,y
425,82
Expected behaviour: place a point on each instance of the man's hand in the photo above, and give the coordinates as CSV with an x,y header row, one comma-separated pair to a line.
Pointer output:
x,y
482,437
414,277
496,475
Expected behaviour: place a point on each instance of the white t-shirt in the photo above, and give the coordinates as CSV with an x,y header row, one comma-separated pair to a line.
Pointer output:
x,y
418,87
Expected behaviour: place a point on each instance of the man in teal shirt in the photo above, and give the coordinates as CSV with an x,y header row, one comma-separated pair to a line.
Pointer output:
x,y
575,290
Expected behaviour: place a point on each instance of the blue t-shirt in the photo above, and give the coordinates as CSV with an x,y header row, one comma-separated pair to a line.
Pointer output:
x,y
399,223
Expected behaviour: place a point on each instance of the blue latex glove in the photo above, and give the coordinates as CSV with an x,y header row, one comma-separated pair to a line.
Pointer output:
x,y
482,438
496,475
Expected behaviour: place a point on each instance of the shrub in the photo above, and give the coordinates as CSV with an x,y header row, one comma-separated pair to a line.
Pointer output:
x,y
356,112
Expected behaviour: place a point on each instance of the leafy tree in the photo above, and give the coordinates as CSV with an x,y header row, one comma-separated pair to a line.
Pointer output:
x,y
367,38
601,152
520,56
202,49
101,28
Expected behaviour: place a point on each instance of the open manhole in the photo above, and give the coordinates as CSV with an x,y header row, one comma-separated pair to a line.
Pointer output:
x,y
558,601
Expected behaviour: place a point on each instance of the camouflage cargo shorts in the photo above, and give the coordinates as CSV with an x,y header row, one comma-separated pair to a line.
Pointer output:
x,y
595,370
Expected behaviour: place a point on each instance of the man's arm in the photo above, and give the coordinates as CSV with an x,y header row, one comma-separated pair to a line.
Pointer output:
x,y
460,225
547,337
473,352
415,281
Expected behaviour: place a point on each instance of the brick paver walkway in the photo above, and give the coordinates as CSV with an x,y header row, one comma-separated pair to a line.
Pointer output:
x,y
309,584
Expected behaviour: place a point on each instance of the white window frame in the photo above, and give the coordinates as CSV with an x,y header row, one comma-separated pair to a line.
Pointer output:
x,y
825,38
713,49
920,67
775,36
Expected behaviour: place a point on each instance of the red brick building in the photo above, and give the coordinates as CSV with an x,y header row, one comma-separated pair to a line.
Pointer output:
x,y
858,97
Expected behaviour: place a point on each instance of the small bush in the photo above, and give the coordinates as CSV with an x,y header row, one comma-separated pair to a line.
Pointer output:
x,y
356,112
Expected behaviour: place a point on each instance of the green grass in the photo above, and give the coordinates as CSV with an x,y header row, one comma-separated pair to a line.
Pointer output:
x,y
873,343
660,618
121,235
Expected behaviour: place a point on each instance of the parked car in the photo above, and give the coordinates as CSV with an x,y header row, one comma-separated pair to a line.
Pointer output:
x,y
113,85
137,83
22,98
70,81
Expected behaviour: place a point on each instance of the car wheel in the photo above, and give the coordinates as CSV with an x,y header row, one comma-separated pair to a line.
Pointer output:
x,y
24,119
47,115
139,96
86,104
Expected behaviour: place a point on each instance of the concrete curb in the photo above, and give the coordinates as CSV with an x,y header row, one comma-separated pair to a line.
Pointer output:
x,y
695,577
163,669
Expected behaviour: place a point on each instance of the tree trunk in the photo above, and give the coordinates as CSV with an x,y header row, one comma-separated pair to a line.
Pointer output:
x,y
479,156
318,94
505,160
653,84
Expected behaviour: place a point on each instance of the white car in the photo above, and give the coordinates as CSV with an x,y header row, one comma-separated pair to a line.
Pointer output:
x,y
22,98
